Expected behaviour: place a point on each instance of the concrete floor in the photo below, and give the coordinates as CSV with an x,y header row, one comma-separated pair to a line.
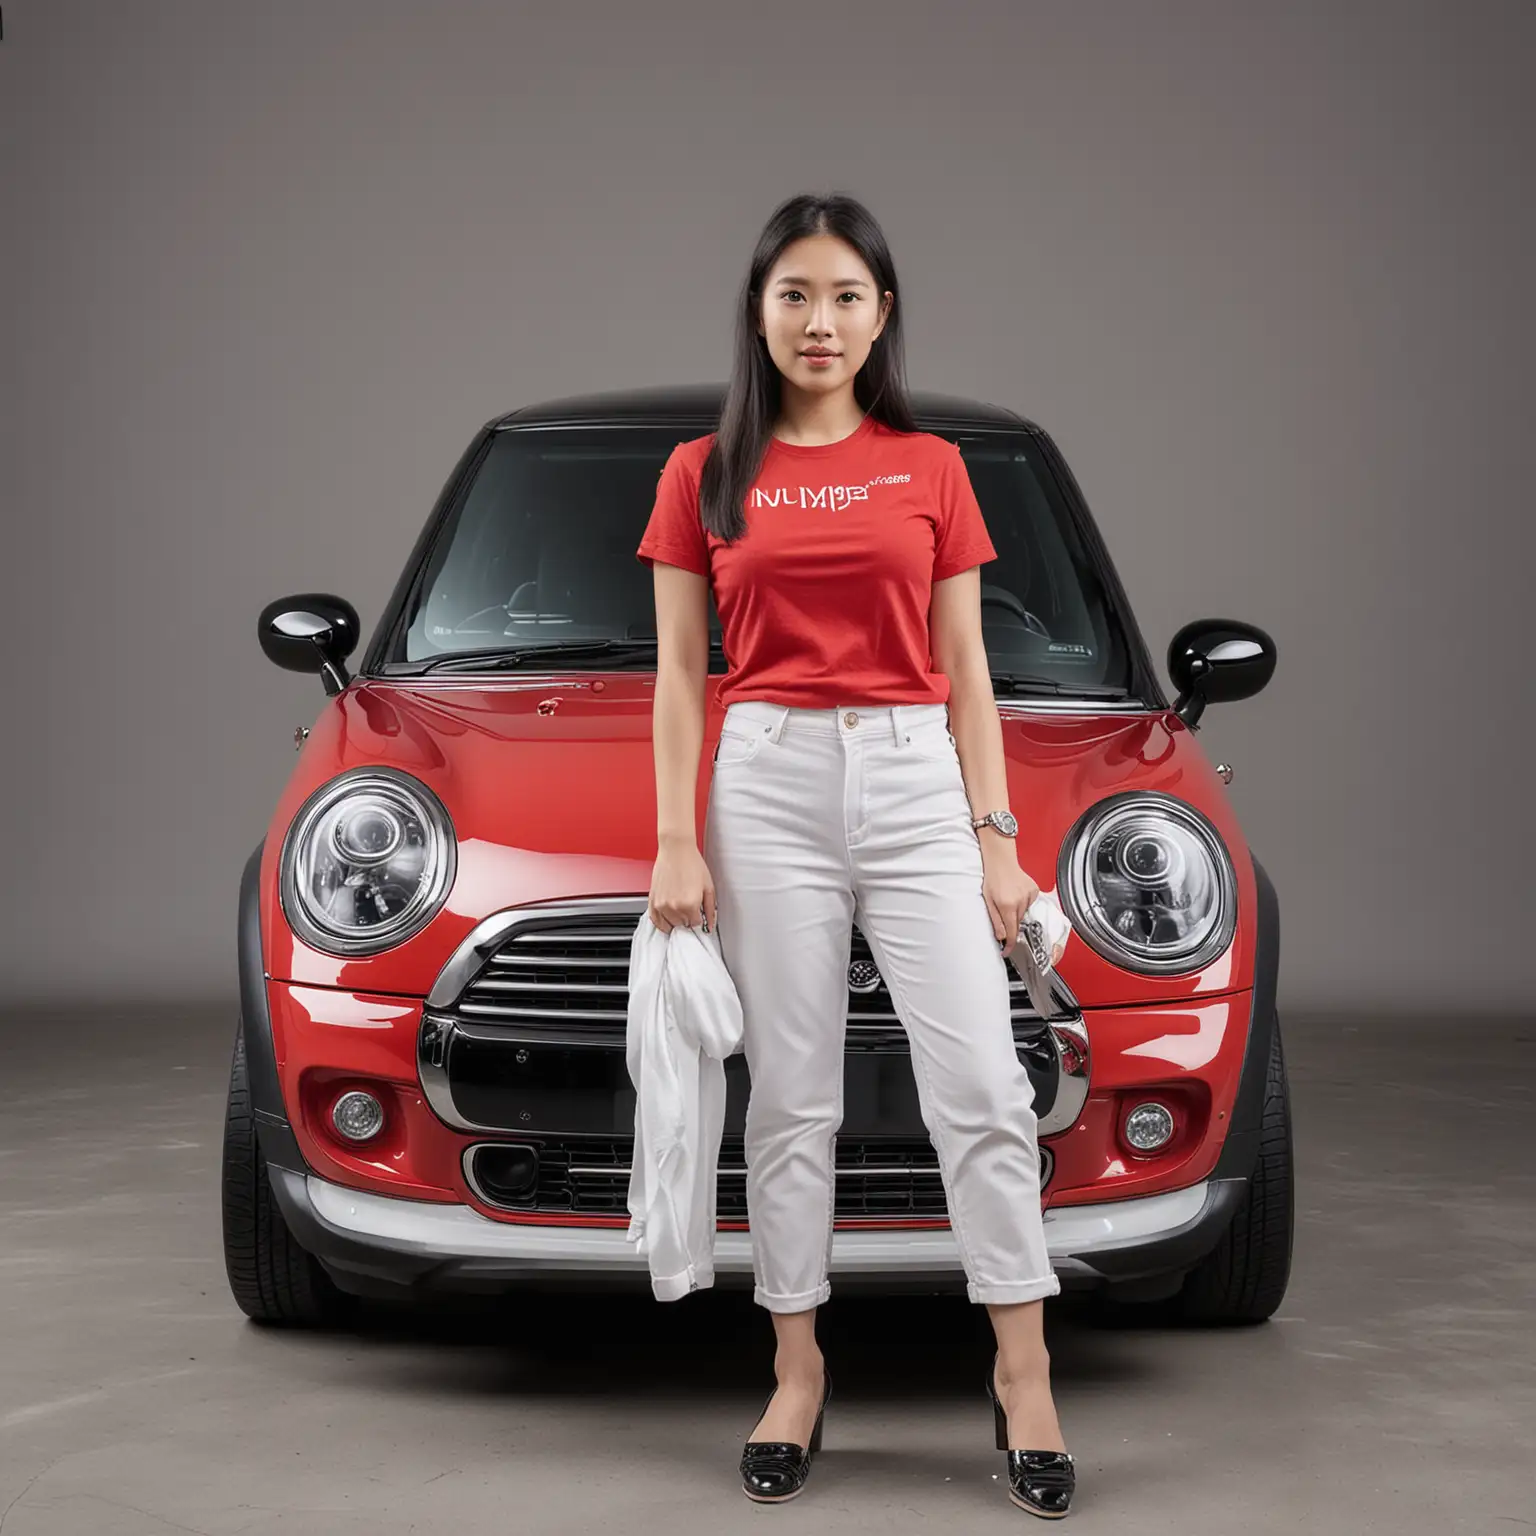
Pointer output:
x,y
1394,1391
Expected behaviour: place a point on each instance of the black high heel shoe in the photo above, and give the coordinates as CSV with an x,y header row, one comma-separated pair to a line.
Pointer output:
x,y
775,1470
1042,1482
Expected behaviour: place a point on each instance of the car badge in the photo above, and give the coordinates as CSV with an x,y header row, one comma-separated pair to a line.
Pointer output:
x,y
863,976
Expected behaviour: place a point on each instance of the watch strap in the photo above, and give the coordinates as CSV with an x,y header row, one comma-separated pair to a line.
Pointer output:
x,y
986,821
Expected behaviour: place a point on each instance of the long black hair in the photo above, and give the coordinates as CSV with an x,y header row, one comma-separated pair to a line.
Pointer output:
x,y
751,405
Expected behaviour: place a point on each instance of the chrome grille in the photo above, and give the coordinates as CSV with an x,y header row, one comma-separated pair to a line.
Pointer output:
x,y
574,978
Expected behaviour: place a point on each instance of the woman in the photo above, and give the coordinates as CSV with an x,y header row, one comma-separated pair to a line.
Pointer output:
x,y
842,548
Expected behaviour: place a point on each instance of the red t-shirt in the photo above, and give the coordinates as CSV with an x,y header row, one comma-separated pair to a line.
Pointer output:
x,y
824,599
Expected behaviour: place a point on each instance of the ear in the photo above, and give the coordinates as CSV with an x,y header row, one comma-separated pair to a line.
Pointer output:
x,y
885,313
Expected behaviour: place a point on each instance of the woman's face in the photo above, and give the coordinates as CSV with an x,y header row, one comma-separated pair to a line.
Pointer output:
x,y
820,299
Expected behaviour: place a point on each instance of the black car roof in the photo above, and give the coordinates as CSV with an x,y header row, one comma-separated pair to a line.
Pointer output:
x,y
699,405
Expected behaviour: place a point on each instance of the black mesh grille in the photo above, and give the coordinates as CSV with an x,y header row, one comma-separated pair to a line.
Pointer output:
x,y
881,1177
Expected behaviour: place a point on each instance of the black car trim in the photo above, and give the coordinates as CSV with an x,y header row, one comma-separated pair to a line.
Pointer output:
x,y
413,572
1240,1151
1144,680
279,1146
397,1262
1180,1248
686,404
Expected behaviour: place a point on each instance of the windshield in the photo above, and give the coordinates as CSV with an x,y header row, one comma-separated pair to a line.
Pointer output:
x,y
540,551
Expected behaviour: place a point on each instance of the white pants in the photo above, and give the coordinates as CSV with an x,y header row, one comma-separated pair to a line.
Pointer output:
x,y
817,818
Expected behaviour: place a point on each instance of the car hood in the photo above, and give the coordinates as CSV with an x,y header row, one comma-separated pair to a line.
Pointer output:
x,y
550,783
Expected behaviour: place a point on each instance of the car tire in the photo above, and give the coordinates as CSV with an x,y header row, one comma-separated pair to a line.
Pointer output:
x,y
272,1278
1243,1279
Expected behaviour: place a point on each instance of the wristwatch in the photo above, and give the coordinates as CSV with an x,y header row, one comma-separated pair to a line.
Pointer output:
x,y
1004,821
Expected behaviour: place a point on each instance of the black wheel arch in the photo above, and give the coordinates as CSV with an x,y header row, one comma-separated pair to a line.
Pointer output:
x,y
1240,1150
279,1146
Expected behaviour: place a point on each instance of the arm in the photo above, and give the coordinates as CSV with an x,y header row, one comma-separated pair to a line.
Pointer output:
x,y
954,624
677,739
682,667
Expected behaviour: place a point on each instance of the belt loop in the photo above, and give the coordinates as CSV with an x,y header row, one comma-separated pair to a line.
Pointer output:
x,y
898,723
776,730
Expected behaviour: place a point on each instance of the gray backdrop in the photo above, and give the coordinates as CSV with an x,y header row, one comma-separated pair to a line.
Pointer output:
x,y
1259,269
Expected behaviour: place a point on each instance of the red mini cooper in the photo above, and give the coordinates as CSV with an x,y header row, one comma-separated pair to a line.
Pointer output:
x,y
429,1087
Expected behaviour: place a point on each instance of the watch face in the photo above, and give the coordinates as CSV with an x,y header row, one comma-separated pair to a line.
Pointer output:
x,y
1006,824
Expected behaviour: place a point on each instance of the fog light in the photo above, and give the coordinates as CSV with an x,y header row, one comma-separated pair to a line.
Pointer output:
x,y
358,1116
1148,1127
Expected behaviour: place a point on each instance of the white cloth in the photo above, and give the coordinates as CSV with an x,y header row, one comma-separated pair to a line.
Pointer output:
x,y
1052,928
684,1019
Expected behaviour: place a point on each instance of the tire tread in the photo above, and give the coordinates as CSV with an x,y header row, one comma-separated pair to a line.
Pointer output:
x,y
272,1279
1244,1278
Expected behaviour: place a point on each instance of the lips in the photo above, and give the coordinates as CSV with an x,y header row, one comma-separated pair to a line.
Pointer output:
x,y
819,352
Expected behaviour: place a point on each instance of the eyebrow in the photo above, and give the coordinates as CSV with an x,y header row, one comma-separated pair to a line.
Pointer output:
x,y
842,282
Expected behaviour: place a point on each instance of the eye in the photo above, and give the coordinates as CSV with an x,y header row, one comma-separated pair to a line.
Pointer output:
x,y
848,294
788,291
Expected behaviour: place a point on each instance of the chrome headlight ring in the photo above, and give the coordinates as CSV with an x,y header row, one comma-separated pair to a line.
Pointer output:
x,y
1147,882
367,862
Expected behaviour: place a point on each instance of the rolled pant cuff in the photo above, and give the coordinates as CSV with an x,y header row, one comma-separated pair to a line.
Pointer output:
x,y
798,1302
1014,1290
696,1277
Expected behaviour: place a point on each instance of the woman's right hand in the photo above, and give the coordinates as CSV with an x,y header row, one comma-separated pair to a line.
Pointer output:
x,y
682,887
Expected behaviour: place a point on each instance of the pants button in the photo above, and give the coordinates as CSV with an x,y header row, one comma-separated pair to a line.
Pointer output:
x,y
850,719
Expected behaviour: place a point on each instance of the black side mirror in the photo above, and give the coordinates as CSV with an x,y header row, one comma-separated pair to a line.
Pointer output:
x,y
311,632
1214,661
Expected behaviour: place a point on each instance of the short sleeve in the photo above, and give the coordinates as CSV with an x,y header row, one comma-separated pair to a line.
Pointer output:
x,y
961,540
674,534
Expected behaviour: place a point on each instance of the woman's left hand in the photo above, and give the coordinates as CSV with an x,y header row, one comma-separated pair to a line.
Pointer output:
x,y
1009,892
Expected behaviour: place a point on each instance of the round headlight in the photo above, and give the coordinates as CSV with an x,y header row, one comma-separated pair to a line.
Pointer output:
x,y
368,861
1147,883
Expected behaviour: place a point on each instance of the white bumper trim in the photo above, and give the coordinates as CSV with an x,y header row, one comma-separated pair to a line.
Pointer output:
x,y
431,1230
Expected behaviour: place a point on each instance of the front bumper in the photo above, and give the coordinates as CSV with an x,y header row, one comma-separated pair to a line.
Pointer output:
x,y
377,1241
369,1242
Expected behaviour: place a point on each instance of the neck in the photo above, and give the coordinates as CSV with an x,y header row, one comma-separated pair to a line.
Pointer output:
x,y
808,419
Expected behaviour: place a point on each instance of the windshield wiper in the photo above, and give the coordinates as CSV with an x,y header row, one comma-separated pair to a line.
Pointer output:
x,y
570,650
1023,682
